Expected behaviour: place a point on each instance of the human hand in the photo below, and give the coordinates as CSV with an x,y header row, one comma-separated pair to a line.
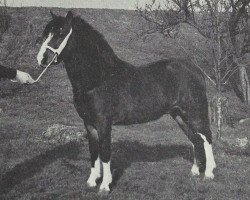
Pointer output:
x,y
23,77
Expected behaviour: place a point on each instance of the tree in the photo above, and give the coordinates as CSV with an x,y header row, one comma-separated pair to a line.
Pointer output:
x,y
4,18
224,27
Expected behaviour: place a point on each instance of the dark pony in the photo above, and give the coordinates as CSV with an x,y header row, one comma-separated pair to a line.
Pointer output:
x,y
108,91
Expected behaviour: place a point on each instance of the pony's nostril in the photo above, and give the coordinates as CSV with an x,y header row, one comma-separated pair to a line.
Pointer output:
x,y
45,58
44,62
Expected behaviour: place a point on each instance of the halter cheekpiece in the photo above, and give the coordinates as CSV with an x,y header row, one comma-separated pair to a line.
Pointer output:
x,y
56,52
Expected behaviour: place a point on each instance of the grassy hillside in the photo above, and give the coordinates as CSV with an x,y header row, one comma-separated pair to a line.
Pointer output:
x,y
119,27
149,161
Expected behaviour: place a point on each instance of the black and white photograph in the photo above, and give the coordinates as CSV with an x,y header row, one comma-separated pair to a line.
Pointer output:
x,y
124,99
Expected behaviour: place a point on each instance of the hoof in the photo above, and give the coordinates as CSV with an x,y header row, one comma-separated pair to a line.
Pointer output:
x,y
103,192
209,176
195,173
90,189
91,184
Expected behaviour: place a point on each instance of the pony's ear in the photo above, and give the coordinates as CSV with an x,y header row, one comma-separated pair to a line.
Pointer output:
x,y
69,16
53,15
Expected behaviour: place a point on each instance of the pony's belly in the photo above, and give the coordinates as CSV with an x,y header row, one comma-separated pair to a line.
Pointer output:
x,y
136,121
138,117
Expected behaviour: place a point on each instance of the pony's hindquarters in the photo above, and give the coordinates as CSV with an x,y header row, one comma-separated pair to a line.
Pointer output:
x,y
191,114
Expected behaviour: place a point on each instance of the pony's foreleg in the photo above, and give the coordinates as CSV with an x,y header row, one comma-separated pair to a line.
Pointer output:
x,y
105,155
94,154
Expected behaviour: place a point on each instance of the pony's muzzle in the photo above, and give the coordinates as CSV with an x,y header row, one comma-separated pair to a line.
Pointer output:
x,y
47,59
44,60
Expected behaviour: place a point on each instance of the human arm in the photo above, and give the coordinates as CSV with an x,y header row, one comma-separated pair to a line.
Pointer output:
x,y
21,77
6,72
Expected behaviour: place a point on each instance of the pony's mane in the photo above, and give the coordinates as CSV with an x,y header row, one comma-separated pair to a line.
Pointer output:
x,y
95,37
78,22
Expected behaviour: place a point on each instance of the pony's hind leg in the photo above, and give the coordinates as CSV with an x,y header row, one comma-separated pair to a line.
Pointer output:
x,y
210,162
188,133
200,136
202,140
195,168
94,154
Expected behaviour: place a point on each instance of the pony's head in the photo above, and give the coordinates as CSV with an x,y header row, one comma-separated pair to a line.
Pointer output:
x,y
55,38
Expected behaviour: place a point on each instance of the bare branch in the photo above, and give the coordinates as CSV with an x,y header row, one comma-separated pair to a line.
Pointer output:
x,y
224,24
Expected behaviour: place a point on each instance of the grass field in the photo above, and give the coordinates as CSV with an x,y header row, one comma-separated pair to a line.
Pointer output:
x,y
149,161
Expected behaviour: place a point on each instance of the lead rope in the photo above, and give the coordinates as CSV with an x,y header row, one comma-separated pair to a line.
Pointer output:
x,y
54,58
45,69
56,52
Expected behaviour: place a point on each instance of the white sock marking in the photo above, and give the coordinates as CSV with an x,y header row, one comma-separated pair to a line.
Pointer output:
x,y
107,177
195,168
210,163
95,173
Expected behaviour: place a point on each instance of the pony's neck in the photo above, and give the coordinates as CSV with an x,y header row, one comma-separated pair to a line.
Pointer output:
x,y
90,60
85,74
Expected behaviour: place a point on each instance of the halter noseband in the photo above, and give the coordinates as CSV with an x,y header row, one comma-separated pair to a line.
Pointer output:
x,y
56,52
59,50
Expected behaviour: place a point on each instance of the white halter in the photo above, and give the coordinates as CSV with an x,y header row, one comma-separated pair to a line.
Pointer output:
x,y
59,50
56,52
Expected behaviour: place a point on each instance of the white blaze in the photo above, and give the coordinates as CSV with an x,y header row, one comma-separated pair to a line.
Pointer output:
x,y
45,46
43,49
62,45
107,177
210,163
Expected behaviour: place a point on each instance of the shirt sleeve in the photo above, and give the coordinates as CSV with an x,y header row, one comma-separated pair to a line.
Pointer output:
x,y
6,72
